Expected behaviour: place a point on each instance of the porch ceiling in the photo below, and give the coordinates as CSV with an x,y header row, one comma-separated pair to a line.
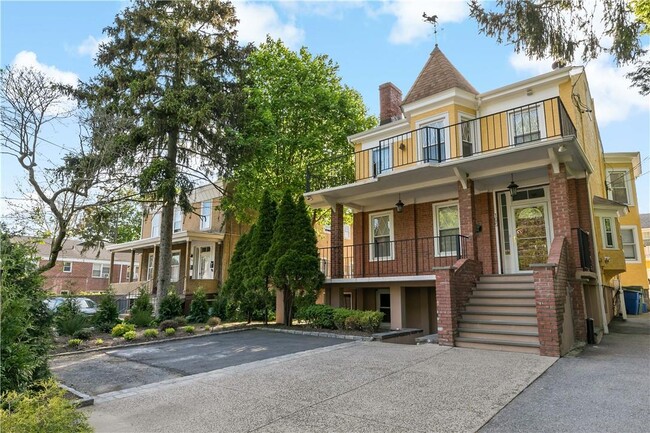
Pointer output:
x,y
490,171
178,238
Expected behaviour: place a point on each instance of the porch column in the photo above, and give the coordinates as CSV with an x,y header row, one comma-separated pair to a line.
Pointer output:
x,y
155,267
467,216
563,209
131,266
187,277
217,268
279,306
336,241
397,307
110,269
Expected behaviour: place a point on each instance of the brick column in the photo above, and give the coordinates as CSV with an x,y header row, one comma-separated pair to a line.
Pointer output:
x,y
467,216
336,241
397,307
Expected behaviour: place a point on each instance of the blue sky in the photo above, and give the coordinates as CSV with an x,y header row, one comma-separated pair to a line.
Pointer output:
x,y
373,42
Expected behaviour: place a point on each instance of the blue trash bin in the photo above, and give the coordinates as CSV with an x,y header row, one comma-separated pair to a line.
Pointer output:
x,y
632,302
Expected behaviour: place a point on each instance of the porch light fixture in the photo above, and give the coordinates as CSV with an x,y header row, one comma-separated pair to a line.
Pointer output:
x,y
513,186
561,149
399,205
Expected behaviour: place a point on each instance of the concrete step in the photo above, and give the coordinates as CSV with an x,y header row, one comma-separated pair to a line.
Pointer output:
x,y
514,285
502,325
500,308
504,346
502,299
498,278
501,335
502,317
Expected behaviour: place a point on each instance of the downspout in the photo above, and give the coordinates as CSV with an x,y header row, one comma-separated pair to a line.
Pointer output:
x,y
599,280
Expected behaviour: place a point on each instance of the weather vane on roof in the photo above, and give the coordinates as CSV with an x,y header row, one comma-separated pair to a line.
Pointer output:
x,y
433,19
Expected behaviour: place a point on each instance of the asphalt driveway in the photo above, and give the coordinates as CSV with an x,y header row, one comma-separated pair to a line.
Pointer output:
x,y
97,373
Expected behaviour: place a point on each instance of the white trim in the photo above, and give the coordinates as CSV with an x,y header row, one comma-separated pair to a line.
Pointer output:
x,y
178,218
68,271
628,184
475,129
436,232
379,130
541,122
604,233
156,216
635,236
444,117
171,266
454,95
205,221
151,257
548,78
101,271
371,236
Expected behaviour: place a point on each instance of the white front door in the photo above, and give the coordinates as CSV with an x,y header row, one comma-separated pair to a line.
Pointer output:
x,y
204,268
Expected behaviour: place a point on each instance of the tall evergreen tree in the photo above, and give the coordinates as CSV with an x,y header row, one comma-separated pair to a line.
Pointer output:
x,y
170,75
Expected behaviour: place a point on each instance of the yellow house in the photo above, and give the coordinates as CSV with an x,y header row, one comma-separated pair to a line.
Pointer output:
x,y
645,230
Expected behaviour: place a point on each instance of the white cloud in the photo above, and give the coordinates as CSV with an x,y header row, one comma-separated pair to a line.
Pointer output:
x,y
256,20
613,95
90,46
410,26
27,59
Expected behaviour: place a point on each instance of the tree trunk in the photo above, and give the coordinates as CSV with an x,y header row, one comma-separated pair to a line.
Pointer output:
x,y
288,301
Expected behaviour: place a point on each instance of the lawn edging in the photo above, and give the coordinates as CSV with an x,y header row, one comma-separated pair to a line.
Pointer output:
x,y
317,334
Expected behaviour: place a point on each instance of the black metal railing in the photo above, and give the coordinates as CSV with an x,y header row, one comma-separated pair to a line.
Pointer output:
x,y
392,258
517,126
584,249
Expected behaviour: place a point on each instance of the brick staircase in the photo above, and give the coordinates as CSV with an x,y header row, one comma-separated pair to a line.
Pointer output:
x,y
500,315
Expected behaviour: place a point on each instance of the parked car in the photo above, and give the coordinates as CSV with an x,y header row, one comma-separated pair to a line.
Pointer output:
x,y
86,306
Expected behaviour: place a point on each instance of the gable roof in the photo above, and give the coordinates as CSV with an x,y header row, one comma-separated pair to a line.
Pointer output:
x,y
437,75
645,220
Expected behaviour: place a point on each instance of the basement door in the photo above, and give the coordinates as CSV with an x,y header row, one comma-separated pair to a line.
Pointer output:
x,y
525,229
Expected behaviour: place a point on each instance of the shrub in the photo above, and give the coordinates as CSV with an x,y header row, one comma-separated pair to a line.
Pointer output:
x,y
122,328
168,324
207,328
130,335
142,302
189,329
141,318
370,321
74,342
199,309
319,316
99,342
339,316
170,306
352,322
214,321
181,320
84,334
108,314
69,318
150,333
42,410
170,331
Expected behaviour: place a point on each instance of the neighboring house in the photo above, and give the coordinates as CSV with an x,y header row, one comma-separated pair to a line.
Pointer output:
x,y
202,245
621,171
645,230
474,212
76,271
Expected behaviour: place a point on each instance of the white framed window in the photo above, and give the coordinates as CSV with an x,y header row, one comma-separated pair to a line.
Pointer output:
x,y
178,220
609,232
526,124
136,272
67,267
346,231
176,266
206,215
446,228
381,236
630,243
467,135
155,225
432,137
100,270
150,263
618,186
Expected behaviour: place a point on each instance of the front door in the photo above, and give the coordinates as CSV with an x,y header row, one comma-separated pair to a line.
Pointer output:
x,y
525,229
383,304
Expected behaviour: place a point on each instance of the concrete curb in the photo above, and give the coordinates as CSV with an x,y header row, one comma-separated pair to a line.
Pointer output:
x,y
147,343
317,334
84,399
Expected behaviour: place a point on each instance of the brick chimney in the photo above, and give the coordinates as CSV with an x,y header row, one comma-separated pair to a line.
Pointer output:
x,y
390,99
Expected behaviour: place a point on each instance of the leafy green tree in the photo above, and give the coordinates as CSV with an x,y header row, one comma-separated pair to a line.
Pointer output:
x,y
566,29
298,112
116,223
170,79
108,313
199,309
293,256
171,306
25,323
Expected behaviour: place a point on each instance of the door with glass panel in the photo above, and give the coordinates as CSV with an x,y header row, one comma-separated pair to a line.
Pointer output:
x,y
531,235
432,141
381,159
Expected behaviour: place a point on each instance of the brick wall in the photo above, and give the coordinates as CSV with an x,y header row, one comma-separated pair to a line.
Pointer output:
x,y
336,238
80,279
486,239
390,101
467,216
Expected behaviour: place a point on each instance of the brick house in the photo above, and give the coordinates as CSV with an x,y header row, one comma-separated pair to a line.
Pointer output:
x,y
76,271
203,243
474,213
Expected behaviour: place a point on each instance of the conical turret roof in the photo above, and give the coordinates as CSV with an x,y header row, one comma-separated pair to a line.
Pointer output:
x,y
437,76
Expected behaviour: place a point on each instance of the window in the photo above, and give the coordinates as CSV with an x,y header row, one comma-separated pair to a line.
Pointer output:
x,y
176,266
618,186
609,239
381,159
67,267
150,264
447,229
155,225
467,136
178,220
629,239
206,214
432,140
100,270
346,231
646,237
381,235
525,125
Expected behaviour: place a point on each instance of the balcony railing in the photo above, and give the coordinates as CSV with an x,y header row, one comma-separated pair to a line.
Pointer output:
x,y
529,123
392,258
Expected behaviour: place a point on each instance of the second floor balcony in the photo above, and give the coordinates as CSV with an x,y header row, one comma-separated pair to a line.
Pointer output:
x,y
435,144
